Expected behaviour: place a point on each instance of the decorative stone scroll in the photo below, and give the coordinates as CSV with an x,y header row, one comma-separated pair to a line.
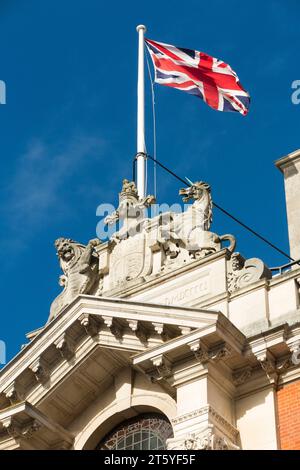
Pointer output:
x,y
242,272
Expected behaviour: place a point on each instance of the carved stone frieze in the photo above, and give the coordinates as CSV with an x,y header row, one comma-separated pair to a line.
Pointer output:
x,y
203,354
205,439
213,417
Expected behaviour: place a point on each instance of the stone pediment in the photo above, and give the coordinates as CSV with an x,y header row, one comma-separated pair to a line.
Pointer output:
x,y
79,354
89,323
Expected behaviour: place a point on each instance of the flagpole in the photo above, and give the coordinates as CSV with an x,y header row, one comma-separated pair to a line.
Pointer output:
x,y
141,148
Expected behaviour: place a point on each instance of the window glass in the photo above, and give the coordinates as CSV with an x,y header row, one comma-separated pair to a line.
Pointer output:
x,y
145,432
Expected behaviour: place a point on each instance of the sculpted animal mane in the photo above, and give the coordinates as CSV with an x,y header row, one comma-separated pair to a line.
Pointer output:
x,y
200,192
79,264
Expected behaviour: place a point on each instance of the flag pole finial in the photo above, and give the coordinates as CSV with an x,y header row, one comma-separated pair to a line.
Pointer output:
x,y
141,26
141,146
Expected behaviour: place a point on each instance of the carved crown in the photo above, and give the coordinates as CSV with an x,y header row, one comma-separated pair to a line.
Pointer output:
x,y
128,190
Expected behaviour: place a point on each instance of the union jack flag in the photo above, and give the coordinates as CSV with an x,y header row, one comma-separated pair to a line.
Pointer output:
x,y
197,73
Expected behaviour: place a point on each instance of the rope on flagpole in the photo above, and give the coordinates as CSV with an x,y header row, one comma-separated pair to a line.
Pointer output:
x,y
154,123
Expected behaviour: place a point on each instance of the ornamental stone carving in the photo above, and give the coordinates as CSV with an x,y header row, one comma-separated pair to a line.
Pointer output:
x,y
79,264
144,248
20,431
131,212
40,370
207,439
131,256
186,236
242,272
241,375
14,392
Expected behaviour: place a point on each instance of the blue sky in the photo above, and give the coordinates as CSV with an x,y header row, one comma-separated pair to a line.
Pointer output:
x,y
68,130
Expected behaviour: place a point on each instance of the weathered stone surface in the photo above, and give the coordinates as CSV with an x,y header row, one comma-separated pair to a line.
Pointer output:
x,y
79,264
242,272
290,167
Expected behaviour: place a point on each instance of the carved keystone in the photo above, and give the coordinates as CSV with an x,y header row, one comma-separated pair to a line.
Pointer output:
x,y
139,331
40,369
114,327
65,345
88,322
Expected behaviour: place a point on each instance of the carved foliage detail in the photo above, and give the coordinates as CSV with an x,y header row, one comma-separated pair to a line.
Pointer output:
x,y
207,439
242,272
19,430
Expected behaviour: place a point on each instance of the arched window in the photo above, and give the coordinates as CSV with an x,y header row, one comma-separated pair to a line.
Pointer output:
x,y
144,432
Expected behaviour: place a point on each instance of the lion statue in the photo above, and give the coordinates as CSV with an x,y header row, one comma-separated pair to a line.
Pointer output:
x,y
79,264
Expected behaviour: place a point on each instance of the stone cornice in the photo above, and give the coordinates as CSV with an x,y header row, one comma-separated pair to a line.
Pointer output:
x,y
285,276
117,308
12,420
208,409
286,161
188,341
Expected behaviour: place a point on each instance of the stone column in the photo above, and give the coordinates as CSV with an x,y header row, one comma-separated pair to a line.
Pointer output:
x,y
290,167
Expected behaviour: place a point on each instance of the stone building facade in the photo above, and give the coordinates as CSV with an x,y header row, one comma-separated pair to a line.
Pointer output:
x,y
164,337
